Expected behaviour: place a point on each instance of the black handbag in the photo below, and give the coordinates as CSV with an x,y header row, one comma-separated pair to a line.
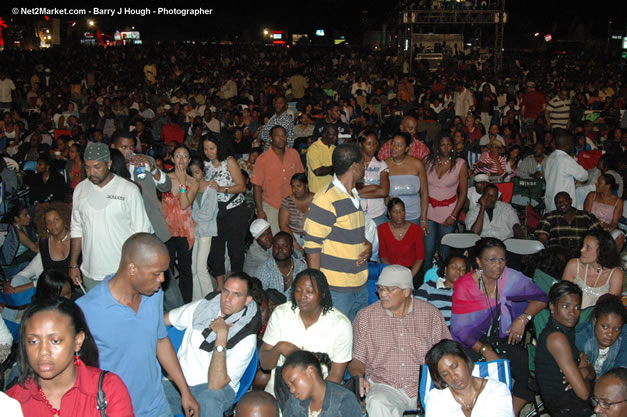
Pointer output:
x,y
102,400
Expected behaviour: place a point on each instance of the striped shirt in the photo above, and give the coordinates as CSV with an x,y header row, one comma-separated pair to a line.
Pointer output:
x,y
434,292
335,228
560,233
559,112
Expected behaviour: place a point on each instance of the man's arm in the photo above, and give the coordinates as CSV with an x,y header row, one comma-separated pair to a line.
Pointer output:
x,y
518,232
258,195
169,362
477,226
313,260
218,376
75,251
323,171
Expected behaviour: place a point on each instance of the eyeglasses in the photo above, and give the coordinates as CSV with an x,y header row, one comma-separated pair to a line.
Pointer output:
x,y
493,261
388,290
604,404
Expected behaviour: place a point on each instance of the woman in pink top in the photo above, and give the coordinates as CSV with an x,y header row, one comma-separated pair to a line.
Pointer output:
x,y
491,161
607,207
447,175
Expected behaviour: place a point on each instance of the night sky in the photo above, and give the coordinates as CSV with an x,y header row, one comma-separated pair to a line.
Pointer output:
x,y
247,18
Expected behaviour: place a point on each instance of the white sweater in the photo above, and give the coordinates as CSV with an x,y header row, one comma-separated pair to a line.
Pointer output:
x,y
104,217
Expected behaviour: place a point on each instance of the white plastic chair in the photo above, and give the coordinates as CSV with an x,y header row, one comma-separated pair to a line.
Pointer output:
x,y
523,246
460,240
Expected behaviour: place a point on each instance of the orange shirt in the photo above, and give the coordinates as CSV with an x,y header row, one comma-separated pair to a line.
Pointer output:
x,y
273,176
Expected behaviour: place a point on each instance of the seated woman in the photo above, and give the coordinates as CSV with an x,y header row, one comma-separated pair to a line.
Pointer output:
x,y
607,207
53,221
401,242
602,273
310,322
558,357
58,363
19,246
458,393
294,209
492,306
440,292
604,338
311,394
491,161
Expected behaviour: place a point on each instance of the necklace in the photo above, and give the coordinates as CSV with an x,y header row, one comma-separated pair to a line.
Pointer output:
x,y
401,161
460,400
67,234
446,162
289,273
50,407
401,233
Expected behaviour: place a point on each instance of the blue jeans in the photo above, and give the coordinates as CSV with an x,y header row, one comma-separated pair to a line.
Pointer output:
x,y
350,303
432,243
213,402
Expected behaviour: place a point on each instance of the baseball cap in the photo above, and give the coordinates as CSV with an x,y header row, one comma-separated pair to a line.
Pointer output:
x,y
396,276
481,178
258,227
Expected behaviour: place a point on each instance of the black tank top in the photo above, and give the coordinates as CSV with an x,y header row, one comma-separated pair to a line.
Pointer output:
x,y
47,261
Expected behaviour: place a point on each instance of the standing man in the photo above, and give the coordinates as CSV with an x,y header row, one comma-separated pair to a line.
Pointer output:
x,y
335,241
418,148
332,117
272,176
106,210
533,105
150,179
7,89
464,101
280,118
125,315
562,171
390,341
558,111
319,159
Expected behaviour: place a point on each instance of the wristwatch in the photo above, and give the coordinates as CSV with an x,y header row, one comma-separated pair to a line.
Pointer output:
x,y
219,348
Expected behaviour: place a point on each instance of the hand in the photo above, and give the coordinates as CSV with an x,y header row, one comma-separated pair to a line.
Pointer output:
x,y
75,276
583,360
483,202
8,289
491,355
190,405
214,185
424,225
219,326
449,221
365,255
261,215
364,386
285,348
516,331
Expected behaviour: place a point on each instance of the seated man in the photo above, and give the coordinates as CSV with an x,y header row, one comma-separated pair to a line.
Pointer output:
x,y
219,343
278,272
476,191
259,251
390,340
257,404
493,218
565,226
610,394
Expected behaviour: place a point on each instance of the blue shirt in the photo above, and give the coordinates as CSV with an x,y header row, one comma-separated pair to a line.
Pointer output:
x,y
127,344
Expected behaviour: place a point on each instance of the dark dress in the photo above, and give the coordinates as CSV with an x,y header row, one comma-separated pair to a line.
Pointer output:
x,y
47,261
550,377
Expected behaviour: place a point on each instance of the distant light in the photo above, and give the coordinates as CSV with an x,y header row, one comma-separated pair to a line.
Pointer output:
x,y
536,34
469,44
91,22
47,30
341,37
73,24
46,18
133,27
319,32
406,44
548,37
265,32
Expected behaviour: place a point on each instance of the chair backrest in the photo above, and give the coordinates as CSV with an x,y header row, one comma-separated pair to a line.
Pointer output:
x,y
523,246
431,274
472,158
14,329
374,270
176,337
29,166
543,280
460,240
249,376
498,370
589,159
507,190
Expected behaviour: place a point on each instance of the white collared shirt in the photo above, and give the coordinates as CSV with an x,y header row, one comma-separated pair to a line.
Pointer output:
x,y
354,196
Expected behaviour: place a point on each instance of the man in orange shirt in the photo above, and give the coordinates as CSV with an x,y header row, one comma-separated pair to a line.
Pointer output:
x,y
272,176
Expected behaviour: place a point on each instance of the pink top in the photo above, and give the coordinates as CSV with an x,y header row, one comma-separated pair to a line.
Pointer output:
x,y
180,222
489,159
603,212
441,189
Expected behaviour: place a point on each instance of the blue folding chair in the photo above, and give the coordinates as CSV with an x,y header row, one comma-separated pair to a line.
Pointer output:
x,y
374,270
498,370
17,299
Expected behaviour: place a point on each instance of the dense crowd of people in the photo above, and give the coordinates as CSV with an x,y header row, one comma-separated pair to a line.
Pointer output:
x,y
249,198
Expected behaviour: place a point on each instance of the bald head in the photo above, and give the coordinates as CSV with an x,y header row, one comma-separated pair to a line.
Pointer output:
x,y
408,125
257,404
611,388
141,248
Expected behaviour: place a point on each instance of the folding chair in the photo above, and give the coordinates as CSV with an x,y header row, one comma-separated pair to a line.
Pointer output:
x,y
498,370
523,246
507,190
14,300
460,240
374,270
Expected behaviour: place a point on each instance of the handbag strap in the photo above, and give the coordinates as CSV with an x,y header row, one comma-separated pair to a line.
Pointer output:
x,y
102,401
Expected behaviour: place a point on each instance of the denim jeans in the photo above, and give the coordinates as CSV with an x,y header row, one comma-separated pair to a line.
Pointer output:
x,y
213,402
432,243
350,303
